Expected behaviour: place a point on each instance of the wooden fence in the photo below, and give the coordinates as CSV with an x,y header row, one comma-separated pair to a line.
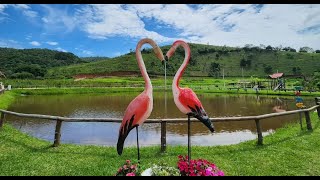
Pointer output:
x,y
164,122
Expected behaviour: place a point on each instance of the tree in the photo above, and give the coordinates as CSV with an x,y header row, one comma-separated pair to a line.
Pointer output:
x,y
278,48
269,48
293,50
315,81
268,69
247,47
243,63
217,56
296,70
317,51
193,61
214,69
306,49
11,59
34,69
262,46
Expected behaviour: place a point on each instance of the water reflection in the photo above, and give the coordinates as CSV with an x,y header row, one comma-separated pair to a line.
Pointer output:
x,y
114,106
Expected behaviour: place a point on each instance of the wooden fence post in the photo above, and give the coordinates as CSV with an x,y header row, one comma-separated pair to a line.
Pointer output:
x,y
259,131
163,136
2,119
57,134
308,120
318,103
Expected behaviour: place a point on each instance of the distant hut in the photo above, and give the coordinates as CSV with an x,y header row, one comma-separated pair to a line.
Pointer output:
x,y
278,82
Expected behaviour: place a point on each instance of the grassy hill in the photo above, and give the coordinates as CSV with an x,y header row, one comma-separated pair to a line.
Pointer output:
x,y
94,58
206,60
30,63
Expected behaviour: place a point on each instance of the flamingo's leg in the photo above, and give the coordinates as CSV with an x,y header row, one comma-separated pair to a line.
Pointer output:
x,y
138,145
189,142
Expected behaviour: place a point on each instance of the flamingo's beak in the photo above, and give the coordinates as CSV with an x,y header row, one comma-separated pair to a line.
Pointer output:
x,y
166,59
206,121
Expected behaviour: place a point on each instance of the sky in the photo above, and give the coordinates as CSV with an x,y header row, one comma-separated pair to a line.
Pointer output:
x,y
115,29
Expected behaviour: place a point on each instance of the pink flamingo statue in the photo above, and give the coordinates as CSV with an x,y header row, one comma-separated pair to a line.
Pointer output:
x,y
185,99
139,108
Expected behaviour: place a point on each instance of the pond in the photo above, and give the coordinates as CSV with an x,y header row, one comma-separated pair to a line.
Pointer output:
x,y
114,105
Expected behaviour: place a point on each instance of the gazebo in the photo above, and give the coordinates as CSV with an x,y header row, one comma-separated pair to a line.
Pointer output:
x,y
277,81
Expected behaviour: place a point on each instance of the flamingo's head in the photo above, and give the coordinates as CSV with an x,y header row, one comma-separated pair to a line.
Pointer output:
x,y
171,52
174,48
159,53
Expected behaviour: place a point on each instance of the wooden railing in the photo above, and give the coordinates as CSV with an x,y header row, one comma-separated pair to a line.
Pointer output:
x,y
164,122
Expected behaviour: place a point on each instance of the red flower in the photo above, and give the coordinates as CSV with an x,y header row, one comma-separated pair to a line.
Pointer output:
x,y
200,167
127,169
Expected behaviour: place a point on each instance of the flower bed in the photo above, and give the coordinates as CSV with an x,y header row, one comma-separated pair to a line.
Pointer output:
x,y
199,167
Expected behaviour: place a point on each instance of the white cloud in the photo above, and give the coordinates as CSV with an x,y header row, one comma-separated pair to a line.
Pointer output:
x,y
2,7
103,21
35,43
58,19
60,49
45,20
86,52
3,15
117,54
10,43
22,6
237,25
52,43
28,37
26,10
223,24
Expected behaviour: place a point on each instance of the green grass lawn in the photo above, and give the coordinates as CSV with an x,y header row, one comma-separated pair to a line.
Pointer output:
x,y
289,151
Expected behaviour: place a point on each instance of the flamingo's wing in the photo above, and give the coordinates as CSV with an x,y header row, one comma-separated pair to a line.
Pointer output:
x,y
190,100
136,113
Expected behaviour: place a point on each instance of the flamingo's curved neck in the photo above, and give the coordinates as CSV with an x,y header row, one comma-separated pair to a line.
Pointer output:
x,y
148,85
187,55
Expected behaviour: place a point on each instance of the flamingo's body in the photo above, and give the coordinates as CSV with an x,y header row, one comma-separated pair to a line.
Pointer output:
x,y
139,108
185,99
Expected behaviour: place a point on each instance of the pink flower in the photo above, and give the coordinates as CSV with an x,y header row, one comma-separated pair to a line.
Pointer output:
x,y
208,171
128,161
199,167
120,169
220,173
130,174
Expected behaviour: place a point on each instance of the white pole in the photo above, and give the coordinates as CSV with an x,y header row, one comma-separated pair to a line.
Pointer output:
x,y
224,83
242,76
165,89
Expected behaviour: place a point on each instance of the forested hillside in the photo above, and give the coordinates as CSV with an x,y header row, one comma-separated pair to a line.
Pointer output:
x,y
207,60
33,63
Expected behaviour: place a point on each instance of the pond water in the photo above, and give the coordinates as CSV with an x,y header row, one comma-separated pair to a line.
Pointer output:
x,y
114,105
